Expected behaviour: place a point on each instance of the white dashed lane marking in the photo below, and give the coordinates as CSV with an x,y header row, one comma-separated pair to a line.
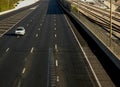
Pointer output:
x,y
56,62
55,35
36,35
56,47
58,79
32,49
27,25
40,24
43,20
18,36
23,71
55,28
39,29
54,23
7,49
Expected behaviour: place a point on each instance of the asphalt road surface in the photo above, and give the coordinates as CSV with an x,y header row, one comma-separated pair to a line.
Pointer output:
x,y
48,55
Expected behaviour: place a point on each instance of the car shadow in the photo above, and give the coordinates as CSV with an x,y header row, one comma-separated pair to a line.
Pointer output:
x,y
10,34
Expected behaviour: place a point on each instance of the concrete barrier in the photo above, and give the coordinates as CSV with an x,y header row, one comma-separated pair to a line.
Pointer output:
x,y
105,48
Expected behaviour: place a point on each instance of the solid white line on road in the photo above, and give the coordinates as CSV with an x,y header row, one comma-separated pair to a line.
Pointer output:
x,y
36,35
7,49
23,71
56,63
84,53
32,49
55,35
58,79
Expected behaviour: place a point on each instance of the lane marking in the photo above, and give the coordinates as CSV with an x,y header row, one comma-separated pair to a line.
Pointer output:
x,y
56,63
54,23
25,59
7,49
56,47
50,53
30,20
32,49
55,28
36,35
19,84
54,20
38,28
18,36
40,24
84,53
15,24
34,7
23,71
55,35
43,20
27,25
58,79
54,17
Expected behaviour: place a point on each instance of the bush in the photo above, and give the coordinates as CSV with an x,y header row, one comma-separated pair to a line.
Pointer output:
x,y
7,4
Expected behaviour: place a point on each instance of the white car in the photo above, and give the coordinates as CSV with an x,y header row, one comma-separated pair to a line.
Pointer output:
x,y
20,31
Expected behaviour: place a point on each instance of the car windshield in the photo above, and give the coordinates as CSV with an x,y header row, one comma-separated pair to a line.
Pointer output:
x,y
19,29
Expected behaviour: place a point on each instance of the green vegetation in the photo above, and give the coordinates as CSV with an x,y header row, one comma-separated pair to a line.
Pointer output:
x,y
7,4
73,8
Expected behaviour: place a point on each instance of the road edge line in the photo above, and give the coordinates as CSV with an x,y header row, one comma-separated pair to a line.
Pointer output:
x,y
83,52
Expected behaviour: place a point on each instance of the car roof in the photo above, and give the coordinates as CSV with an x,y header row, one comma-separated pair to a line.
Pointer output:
x,y
20,28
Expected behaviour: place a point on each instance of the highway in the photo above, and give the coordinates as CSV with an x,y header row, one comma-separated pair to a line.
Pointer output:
x,y
48,55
